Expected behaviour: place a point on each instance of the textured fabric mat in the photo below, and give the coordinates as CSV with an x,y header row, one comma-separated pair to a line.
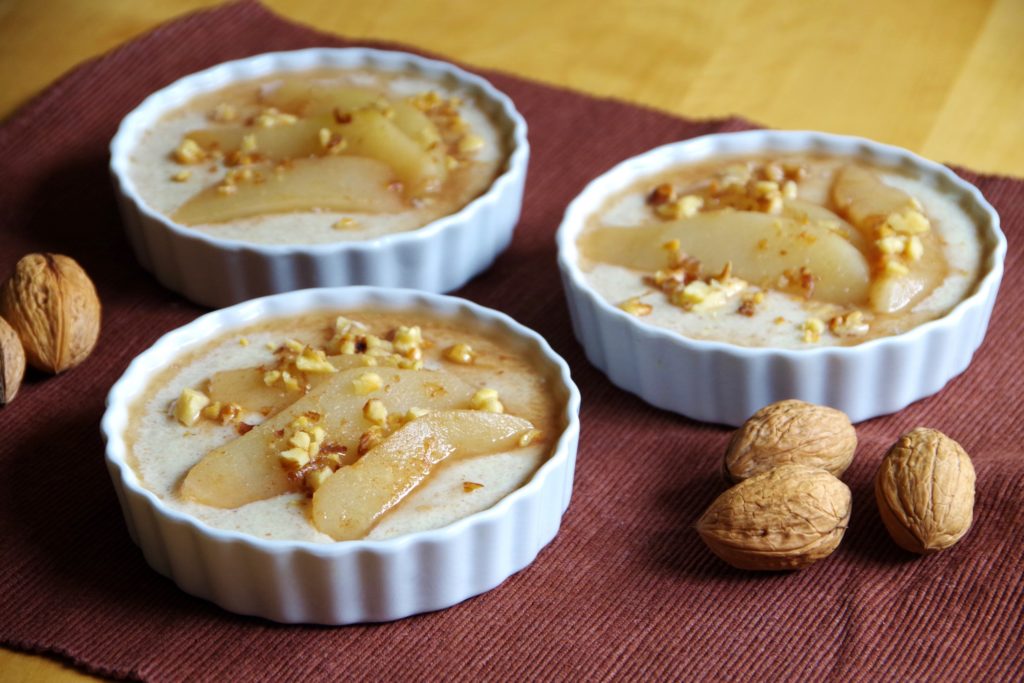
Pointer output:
x,y
626,590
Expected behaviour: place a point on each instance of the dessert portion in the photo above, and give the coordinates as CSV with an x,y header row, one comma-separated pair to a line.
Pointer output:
x,y
791,251
327,427
319,156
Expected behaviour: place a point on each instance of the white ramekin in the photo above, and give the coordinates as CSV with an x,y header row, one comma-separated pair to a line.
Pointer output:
x,y
725,383
438,257
350,581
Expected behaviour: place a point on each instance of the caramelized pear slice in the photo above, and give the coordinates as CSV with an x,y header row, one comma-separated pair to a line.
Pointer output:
x,y
865,200
371,134
366,133
337,183
295,141
352,499
248,469
245,386
808,212
762,248
321,101
317,99
894,292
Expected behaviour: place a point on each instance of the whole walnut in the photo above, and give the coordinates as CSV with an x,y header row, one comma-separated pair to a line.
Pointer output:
x,y
786,518
52,304
925,491
791,432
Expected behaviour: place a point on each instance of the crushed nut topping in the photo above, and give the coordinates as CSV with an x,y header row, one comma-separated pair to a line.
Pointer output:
x,y
812,329
189,406
181,176
375,411
462,354
851,324
344,223
271,117
189,152
223,113
487,400
367,383
634,306
470,486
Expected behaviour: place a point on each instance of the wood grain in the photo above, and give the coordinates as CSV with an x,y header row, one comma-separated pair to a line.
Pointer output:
x,y
940,77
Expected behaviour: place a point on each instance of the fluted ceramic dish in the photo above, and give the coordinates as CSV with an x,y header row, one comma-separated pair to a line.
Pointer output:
x,y
438,257
725,383
348,581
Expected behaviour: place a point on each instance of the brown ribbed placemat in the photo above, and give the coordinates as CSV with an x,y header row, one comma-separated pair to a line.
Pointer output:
x,y
626,590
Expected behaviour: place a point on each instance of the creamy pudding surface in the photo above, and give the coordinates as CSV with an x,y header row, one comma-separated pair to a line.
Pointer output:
x,y
789,251
328,427
317,157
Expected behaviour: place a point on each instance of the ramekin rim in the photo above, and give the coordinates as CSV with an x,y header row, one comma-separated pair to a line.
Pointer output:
x,y
123,391
576,211
515,164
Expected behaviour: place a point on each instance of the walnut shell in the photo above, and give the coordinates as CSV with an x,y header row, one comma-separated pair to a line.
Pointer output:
x,y
12,362
786,518
52,305
791,432
925,491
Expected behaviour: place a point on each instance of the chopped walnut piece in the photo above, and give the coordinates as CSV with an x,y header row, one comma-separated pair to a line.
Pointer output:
x,y
470,143
408,342
367,383
812,329
375,412
851,324
223,113
701,296
683,207
462,354
315,478
189,406
181,176
189,152
908,222
748,306
914,249
344,223
894,267
470,486
314,361
634,306
529,437
487,401
271,117
661,194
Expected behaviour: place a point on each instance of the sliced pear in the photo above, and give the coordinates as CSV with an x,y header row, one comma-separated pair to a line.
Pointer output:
x,y
341,183
316,99
808,212
891,293
245,386
247,469
762,248
371,134
295,141
865,200
352,499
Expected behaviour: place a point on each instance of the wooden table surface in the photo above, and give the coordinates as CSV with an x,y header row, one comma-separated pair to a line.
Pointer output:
x,y
944,78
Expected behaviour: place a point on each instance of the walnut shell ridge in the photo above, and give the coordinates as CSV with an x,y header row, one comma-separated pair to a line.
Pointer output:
x,y
925,491
786,518
791,432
